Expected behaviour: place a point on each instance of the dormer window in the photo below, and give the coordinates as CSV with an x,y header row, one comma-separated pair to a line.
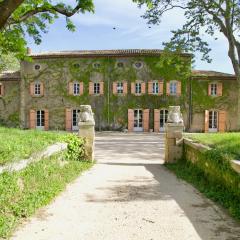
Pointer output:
x,y
37,88
138,65
37,67
76,65
96,65
120,64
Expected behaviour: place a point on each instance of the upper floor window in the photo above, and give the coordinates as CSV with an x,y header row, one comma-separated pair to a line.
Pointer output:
x,y
96,65
155,89
76,89
138,88
120,64
37,67
138,65
76,65
96,88
173,88
213,89
120,87
37,88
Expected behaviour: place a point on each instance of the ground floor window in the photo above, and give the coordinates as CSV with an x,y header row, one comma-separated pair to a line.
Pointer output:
x,y
40,119
138,120
213,121
163,118
96,89
75,119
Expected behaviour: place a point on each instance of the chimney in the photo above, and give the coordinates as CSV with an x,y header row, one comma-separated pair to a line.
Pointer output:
x,y
29,51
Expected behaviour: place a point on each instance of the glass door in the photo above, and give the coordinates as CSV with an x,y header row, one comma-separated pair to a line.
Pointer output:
x,y
213,121
138,120
40,123
163,119
75,119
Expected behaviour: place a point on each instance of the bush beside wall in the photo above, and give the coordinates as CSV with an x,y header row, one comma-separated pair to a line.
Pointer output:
x,y
211,172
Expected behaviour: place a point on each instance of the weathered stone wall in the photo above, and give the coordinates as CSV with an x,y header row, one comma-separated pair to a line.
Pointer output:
x,y
9,103
110,110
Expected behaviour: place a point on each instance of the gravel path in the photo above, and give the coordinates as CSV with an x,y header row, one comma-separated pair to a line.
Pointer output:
x,y
129,195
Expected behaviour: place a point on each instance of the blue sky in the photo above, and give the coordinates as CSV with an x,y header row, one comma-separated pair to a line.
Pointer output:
x,y
95,31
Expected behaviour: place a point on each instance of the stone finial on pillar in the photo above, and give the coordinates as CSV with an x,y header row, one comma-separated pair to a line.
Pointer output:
x,y
173,136
86,125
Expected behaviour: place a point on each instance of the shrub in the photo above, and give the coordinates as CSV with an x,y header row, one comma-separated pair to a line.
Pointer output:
x,y
76,148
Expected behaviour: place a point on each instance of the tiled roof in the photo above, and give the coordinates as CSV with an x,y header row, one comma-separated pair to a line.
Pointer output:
x,y
10,75
101,53
212,74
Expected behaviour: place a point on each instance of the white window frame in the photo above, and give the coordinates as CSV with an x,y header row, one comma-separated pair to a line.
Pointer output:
x,y
155,87
173,88
40,119
37,88
213,87
76,88
138,67
120,87
138,87
96,88
138,120
75,126
35,65
212,125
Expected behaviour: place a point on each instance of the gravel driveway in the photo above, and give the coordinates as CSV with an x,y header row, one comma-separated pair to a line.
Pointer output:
x,y
129,195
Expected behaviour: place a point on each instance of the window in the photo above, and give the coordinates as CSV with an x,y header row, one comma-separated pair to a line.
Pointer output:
x,y
173,88
155,89
37,67
76,89
120,87
96,89
96,65
37,89
76,65
40,119
138,65
213,121
213,89
120,65
138,88
163,118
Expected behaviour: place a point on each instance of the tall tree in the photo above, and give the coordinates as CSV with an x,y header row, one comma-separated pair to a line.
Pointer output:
x,y
21,17
202,16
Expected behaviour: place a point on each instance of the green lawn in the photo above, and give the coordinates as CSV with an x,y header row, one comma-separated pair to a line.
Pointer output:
x,y
16,144
22,193
228,143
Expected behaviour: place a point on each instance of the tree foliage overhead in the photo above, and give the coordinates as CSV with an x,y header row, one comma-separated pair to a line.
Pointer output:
x,y
202,17
32,17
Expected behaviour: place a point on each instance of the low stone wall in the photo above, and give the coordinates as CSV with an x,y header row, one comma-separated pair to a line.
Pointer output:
x,y
20,165
193,151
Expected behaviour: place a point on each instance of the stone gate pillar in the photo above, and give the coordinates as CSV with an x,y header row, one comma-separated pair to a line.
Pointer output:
x,y
86,125
174,134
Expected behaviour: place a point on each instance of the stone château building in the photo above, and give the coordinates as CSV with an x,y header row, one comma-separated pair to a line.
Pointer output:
x,y
126,89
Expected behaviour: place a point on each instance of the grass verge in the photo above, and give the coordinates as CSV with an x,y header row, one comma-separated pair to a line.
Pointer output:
x,y
22,193
19,144
227,143
221,188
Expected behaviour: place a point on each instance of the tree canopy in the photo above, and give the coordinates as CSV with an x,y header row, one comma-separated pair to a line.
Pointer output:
x,y
202,17
32,17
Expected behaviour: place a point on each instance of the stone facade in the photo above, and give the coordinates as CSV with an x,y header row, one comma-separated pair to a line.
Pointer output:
x,y
127,89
